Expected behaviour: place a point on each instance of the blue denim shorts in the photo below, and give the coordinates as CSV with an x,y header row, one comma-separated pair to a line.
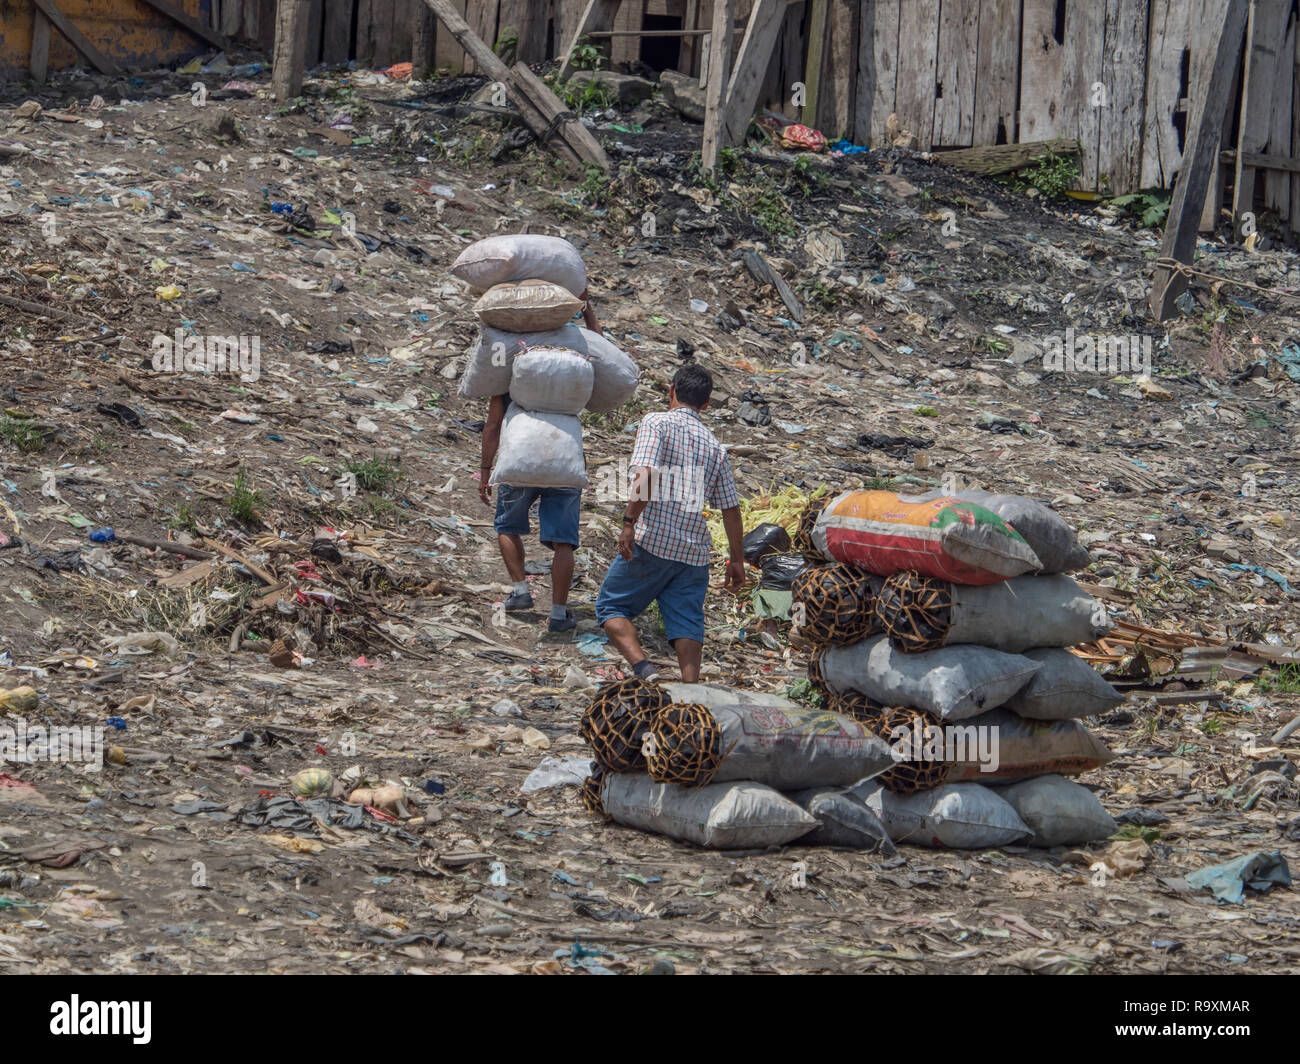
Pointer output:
x,y
679,589
557,513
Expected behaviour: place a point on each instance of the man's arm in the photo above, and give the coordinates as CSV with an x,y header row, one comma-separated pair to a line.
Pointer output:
x,y
736,542
491,441
589,314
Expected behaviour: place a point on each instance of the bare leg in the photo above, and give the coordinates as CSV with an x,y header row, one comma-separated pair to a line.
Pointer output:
x,y
561,573
512,553
689,653
622,633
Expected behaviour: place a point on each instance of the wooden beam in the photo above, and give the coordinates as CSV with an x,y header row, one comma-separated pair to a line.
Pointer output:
x,y
596,17
190,23
61,23
715,92
1267,30
1259,161
40,61
541,109
1199,158
765,21
290,49
422,31
812,71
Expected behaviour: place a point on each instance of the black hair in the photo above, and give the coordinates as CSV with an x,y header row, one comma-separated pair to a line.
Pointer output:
x,y
693,385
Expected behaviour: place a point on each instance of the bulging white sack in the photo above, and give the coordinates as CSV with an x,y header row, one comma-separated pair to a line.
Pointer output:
x,y
540,451
1059,811
551,380
499,259
956,816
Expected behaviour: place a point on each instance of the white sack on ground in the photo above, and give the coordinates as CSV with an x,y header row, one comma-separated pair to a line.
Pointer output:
x,y
1064,688
1060,812
956,816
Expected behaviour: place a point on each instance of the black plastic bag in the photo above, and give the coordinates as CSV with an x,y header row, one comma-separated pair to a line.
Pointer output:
x,y
763,540
779,571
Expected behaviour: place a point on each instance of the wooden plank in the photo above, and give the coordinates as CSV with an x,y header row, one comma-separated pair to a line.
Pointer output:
x,y
715,102
577,137
1040,92
232,16
1194,175
1084,90
792,47
1123,76
252,27
403,27
422,37
689,57
40,60
918,50
1295,135
1260,161
838,81
336,36
532,31
447,52
382,13
1167,43
1203,25
877,70
481,15
78,39
1277,183
997,72
629,20
290,47
752,61
1266,32
812,70
315,19
206,33
597,15
956,66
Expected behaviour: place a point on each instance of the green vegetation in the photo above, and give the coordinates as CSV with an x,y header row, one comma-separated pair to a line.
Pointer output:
x,y
27,436
1284,680
244,500
1150,205
375,474
1053,175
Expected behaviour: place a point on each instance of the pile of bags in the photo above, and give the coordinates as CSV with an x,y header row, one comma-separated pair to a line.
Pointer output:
x,y
530,288
942,624
708,765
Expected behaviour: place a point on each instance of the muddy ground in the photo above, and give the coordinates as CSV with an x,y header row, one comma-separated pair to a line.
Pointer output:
x,y
141,213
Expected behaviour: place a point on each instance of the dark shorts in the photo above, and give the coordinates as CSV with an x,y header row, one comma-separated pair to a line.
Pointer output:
x,y
679,589
557,513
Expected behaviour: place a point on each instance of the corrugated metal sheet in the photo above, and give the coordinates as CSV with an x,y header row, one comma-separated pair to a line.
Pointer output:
x,y
128,31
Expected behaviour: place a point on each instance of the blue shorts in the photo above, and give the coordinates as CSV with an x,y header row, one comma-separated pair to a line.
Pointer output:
x,y
557,513
679,588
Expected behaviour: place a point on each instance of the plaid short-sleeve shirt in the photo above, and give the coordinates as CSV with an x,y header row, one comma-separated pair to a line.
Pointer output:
x,y
688,469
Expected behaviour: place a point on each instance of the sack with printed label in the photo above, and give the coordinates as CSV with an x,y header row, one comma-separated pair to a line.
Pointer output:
x,y
739,815
527,306
540,451
956,816
922,613
551,380
1058,811
951,682
948,538
501,259
787,747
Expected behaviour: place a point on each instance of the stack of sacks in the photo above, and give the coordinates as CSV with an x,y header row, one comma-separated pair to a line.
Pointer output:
x,y
968,647
552,369
711,770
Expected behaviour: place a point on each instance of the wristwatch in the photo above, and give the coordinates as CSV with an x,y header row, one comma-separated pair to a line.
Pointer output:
x,y
628,520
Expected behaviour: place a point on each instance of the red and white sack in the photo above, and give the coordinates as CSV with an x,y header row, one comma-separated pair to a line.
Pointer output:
x,y
948,538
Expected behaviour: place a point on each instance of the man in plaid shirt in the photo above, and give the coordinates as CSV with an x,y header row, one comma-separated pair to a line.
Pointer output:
x,y
677,465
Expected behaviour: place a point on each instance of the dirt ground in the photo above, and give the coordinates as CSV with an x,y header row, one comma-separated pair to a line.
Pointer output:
x,y
127,211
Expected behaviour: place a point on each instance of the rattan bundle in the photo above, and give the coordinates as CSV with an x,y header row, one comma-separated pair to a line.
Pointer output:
x,y
918,773
836,602
854,705
803,538
619,715
685,745
915,611
589,792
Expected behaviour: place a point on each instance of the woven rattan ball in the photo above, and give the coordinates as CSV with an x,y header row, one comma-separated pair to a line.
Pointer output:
x,y
619,715
836,603
802,540
915,611
589,793
854,705
919,774
685,745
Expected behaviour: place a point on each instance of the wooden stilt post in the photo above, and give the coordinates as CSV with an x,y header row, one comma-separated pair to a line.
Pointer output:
x,y
715,92
290,49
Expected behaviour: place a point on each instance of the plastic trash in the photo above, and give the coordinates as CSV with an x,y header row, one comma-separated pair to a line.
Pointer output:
x,y
764,540
558,772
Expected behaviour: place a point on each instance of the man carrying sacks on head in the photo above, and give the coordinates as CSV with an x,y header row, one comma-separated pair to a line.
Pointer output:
x,y
558,512
677,465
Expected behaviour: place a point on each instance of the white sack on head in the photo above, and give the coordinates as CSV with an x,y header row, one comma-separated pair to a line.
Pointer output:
x,y
500,259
